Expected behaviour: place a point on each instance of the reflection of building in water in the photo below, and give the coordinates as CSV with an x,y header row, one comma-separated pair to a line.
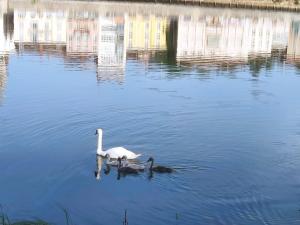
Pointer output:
x,y
40,27
6,30
293,50
213,37
82,32
280,33
3,74
147,32
6,43
111,47
106,36
262,34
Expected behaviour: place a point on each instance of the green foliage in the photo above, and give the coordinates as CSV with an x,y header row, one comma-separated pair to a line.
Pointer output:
x,y
67,216
37,222
4,219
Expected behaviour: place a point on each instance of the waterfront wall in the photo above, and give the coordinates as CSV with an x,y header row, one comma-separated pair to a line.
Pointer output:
x,y
256,4
277,5
149,6
293,6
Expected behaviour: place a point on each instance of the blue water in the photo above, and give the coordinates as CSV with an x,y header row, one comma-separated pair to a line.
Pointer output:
x,y
229,124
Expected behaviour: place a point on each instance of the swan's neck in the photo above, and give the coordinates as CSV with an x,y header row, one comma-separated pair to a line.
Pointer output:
x,y
99,167
99,145
151,164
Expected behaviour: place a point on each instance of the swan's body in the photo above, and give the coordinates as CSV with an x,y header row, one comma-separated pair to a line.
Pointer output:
x,y
134,166
111,162
157,168
116,152
124,169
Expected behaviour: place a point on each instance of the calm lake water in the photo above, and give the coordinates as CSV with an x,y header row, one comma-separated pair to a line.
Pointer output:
x,y
213,93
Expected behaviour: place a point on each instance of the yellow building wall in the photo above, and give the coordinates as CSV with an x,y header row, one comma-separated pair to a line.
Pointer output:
x,y
146,32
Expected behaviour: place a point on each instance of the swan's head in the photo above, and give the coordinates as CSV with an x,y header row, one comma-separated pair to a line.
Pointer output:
x,y
150,159
97,175
98,131
124,157
107,156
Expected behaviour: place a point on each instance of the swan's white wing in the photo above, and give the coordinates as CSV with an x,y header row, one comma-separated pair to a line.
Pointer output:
x,y
120,152
114,153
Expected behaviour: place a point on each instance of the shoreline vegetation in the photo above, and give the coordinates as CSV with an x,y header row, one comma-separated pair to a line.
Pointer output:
x,y
5,219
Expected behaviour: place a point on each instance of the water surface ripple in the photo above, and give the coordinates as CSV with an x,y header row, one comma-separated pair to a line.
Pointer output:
x,y
212,93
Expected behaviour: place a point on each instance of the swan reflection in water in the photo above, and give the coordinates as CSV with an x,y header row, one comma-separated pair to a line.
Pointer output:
x,y
123,166
99,162
128,167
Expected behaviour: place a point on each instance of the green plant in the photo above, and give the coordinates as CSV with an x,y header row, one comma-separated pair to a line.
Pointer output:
x,y
125,221
4,220
67,216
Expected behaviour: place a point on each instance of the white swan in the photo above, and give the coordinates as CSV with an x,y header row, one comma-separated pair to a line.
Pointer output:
x,y
113,153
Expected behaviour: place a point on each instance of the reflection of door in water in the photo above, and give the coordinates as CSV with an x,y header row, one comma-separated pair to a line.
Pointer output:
x,y
293,49
34,32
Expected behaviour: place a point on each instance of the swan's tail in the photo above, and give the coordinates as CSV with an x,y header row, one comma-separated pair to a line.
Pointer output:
x,y
138,155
